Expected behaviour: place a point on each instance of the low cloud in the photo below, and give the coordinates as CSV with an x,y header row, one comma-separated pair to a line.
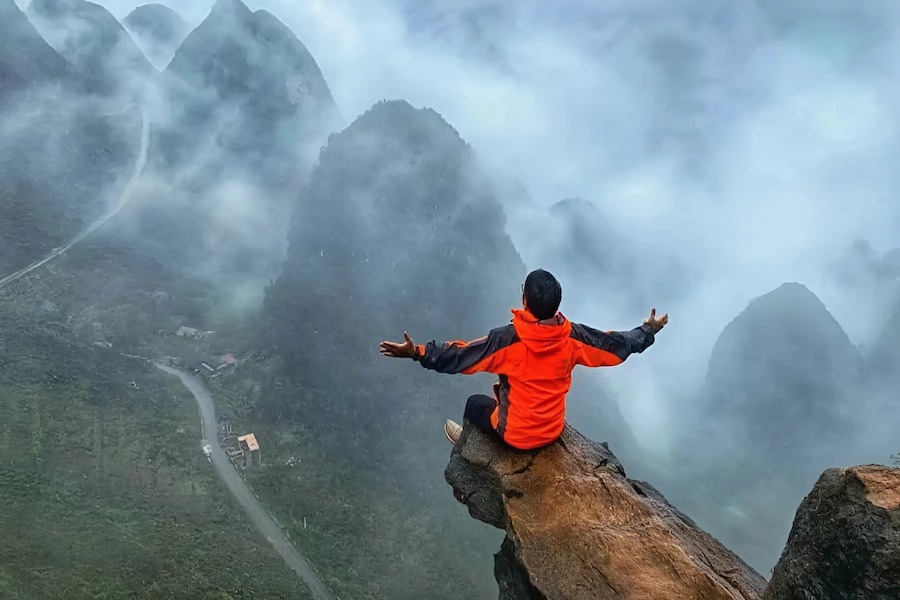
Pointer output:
x,y
753,142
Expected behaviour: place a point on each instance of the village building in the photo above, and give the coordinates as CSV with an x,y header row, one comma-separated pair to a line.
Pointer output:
x,y
248,445
192,332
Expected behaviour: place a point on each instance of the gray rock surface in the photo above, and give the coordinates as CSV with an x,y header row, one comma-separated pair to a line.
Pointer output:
x,y
845,542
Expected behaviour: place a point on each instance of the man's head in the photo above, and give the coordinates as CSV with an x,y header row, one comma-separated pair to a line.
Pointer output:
x,y
541,294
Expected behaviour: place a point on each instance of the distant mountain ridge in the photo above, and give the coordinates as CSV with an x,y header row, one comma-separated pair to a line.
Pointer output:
x,y
26,59
246,82
100,49
158,30
62,152
243,113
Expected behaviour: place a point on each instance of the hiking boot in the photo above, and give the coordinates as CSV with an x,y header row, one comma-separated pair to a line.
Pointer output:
x,y
453,430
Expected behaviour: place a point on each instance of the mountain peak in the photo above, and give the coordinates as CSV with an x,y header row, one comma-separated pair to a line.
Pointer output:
x,y
157,19
790,305
230,8
778,381
90,38
574,207
25,57
402,109
790,311
794,290
397,168
158,30
398,118
53,7
267,62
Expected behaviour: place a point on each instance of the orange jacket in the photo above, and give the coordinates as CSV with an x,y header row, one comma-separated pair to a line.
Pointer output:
x,y
534,360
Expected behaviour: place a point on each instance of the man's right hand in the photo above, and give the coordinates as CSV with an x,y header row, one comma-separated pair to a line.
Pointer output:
x,y
656,323
406,349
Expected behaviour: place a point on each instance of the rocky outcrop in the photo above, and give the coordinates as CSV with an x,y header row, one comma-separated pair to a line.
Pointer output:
x,y
578,527
845,542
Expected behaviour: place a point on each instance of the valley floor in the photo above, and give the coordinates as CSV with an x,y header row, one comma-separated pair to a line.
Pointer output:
x,y
111,492
104,488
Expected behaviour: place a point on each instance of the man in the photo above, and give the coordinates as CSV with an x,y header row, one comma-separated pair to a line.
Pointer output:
x,y
534,357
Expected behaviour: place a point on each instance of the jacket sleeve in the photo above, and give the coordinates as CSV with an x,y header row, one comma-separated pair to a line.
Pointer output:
x,y
606,349
484,354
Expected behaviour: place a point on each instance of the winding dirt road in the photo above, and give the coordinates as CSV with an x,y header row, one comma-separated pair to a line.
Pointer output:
x,y
102,219
238,487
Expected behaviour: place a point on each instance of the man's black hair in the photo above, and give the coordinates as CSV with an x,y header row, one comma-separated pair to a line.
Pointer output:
x,y
542,294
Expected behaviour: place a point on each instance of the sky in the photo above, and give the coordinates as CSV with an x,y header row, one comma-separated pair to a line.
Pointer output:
x,y
753,141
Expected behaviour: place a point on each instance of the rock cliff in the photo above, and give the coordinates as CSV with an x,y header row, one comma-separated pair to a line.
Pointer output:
x,y
845,542
578,527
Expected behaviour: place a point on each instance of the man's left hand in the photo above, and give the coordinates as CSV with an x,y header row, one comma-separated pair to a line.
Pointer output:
x,y
656,323
405,350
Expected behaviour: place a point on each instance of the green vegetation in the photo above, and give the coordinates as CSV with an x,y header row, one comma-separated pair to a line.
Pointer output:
x,y
61,168
380,522
105,490
375,533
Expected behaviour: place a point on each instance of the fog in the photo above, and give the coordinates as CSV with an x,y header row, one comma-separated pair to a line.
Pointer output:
x,y
728,147
754,142
751,143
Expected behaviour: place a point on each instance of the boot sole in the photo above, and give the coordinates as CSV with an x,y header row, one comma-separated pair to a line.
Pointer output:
x,y
450,439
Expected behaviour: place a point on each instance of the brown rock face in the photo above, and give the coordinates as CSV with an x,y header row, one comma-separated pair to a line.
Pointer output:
x,y
578,528
845,542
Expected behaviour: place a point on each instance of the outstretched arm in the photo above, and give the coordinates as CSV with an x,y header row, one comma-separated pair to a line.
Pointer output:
x,y
484,354
609,348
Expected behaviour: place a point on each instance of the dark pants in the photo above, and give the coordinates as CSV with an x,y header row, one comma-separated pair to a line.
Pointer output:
x,y
478,410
